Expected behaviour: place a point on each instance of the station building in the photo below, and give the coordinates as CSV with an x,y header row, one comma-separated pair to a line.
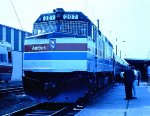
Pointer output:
x,y
16,38
141,64
13,36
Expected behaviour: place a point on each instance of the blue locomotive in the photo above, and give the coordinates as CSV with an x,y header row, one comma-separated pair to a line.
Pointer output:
x,y
66,58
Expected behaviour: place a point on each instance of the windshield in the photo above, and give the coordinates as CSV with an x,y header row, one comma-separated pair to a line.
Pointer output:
x,y
73,27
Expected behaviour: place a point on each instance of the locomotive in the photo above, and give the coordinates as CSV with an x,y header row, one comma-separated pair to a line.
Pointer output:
x,y
6,66
66,58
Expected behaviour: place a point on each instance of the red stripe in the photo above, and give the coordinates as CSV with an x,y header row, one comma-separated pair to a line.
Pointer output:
x,y
58,47
70,47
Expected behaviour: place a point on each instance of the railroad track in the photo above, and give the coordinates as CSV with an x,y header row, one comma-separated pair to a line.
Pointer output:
x,y
56,109
12,89
51,109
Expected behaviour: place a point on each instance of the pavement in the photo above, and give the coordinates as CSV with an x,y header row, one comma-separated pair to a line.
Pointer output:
x,y
112,103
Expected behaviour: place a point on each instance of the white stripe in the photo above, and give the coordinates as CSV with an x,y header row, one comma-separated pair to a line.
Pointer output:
x,y
4,33
56,65
58,40
36,41
20,40
12,39
71,40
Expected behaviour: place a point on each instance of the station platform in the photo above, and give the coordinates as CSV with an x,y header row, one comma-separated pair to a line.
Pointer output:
x,y
112,103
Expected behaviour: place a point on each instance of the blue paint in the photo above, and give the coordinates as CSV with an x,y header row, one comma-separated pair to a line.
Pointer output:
x,y
56,56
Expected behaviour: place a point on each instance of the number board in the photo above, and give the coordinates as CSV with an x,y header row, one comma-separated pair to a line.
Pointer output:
x,y
65,16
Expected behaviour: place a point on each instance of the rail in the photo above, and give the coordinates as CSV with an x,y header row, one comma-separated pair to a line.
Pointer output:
x,y
13,89
52,109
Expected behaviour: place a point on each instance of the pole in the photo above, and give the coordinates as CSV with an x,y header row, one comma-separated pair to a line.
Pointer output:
x,y
116,46
98,24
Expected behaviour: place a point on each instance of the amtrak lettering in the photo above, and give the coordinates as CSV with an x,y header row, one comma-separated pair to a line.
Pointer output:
x,y
39,48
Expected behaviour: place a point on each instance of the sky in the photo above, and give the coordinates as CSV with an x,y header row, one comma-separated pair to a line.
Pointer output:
x,y
127,21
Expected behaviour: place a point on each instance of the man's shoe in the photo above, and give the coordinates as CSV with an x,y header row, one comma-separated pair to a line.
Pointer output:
x,y
127,98
134,97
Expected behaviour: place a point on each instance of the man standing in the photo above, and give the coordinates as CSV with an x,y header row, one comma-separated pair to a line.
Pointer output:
x,y
139,77
134,82
128,82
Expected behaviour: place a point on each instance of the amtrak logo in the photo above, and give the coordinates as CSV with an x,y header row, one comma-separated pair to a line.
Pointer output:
x,y
38,48
52,43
